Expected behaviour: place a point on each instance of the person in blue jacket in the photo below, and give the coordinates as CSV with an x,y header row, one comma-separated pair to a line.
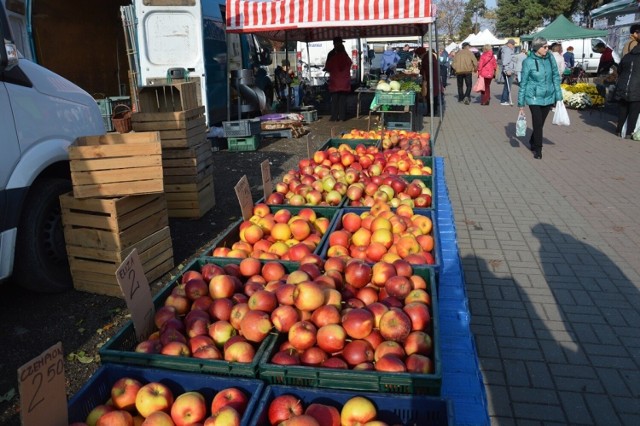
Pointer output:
x,y
539,89
390,59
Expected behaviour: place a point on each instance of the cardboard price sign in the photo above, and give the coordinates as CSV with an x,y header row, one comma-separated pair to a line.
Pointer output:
x,y
137,294
243,192
41,382
267,185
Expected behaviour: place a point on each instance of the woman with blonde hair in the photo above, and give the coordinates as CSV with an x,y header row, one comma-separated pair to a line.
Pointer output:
x,y
487,65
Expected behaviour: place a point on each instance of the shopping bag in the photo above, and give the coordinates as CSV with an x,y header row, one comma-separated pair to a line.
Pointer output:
x,y
561,117
521,125
479,86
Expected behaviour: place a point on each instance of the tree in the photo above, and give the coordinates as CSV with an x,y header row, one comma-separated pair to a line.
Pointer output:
x,y
449,15
473,10
517,17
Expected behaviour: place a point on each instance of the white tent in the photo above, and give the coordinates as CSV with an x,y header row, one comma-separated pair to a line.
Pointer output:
x,y
467,40
451,47
485,37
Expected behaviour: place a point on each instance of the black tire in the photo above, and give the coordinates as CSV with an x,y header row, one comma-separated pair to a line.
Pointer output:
x,y
41,262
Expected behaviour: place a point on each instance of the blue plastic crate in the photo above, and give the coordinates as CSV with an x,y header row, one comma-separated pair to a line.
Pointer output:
x,y
98,389
399,409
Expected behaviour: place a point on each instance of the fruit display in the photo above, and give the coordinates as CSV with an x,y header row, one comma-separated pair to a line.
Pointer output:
x,y
417,144
286,233
383,234
393,190
127,396
330,407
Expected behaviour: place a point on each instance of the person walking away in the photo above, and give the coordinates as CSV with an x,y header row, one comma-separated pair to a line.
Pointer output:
x,y
390,59
539,89
508,70
606,58
464,64
520,57
338,66
443,60
629,45
435,81
556,51
628,88
569,63
486,69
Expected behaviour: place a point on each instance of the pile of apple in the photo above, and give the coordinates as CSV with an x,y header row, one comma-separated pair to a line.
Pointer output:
x,y
154,404
219,312
389,189
402,162
357,316
362,134
280,235
288,410
416,143
381,234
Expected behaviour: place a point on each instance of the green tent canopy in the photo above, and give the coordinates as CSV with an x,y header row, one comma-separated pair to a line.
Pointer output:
x,y
563,29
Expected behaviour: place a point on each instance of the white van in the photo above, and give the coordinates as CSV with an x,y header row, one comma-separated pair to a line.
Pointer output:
x,y
41,114
311,61
583,51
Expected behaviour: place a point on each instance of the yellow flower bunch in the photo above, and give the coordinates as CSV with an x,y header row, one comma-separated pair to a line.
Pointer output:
x,y
587,88
596,100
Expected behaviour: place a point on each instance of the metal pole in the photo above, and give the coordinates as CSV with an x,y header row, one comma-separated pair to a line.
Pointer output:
x,y
430,39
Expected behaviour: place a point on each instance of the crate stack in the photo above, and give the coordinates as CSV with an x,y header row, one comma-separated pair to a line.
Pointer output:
x,y
242,135
117,204
187,161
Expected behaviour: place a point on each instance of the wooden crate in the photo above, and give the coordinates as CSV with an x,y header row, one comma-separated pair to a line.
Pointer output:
x,y
168,97
115,165
187,161
182,129
94,270
112,223
189,178
191,200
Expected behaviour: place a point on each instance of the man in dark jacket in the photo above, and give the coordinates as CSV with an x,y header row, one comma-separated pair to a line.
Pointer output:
x,y
606,58
628,87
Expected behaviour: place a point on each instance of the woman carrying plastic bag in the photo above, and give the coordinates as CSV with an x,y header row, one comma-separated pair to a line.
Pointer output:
x,y
561,116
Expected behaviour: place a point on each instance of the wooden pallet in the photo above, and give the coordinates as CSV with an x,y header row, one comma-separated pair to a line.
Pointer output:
x,y
192,200
115,165
112,223
94,270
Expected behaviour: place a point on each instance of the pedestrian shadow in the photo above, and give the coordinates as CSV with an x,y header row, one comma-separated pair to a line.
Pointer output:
x,y
561,347
518,141
605,117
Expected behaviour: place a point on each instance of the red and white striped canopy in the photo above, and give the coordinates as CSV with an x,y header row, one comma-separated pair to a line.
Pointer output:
x,y
313,20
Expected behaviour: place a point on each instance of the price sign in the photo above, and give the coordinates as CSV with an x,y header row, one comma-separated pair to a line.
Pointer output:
x,y
43,398
308,146
243,192
267,185
137,294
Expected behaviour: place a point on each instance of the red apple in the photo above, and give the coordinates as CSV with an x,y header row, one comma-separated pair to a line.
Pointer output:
x,y
284,407
226,416
221,331
358,323
157,418
188,408
331,338
233,397
176,349
152,397
286,357
357,352
240,352
419,314
195,288
220,309
207,352
283,317
123,393
163,314
256,326
302,335
357,273
97,412
395,325
222,286
313,356
325,415
335,362
417,363
389,347
263,300
116,418
324,315
418,342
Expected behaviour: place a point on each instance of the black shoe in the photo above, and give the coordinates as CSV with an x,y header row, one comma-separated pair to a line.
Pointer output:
x,y
532,149
618,134
538,155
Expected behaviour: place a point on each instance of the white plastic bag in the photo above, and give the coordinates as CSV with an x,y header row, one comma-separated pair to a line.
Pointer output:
x,y
521,125
561,117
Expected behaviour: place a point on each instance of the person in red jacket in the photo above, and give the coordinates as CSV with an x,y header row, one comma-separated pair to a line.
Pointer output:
x,y
606,58
338,65
486,69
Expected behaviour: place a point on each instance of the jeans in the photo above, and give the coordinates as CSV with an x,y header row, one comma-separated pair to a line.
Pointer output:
x,y
464,79
538,116
506,90
627,111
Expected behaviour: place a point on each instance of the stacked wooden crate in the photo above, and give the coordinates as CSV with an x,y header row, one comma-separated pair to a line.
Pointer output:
x,y
187,159
117,204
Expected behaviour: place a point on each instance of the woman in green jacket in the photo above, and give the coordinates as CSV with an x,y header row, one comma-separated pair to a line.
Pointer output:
x,y
539,89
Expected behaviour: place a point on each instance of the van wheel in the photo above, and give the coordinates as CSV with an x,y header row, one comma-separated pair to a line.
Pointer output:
x,y
41,262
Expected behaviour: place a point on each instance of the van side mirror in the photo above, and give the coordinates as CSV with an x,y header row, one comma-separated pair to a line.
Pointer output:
x,y
8,56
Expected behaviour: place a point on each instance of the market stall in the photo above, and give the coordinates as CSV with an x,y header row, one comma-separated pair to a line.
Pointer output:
x,y
319,20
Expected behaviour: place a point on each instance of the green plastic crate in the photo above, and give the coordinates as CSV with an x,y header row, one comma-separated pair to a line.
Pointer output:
x,y
353,143
395,98
120,348
250,143
372,381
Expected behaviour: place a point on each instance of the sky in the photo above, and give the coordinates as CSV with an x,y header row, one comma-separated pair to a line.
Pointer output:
x,y
491,4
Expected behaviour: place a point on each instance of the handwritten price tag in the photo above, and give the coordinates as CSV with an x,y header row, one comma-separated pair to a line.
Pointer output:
x,y
137,294
267,185
243,192
43,398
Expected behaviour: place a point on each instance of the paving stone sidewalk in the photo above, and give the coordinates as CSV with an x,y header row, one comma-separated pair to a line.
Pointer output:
x,y
550,252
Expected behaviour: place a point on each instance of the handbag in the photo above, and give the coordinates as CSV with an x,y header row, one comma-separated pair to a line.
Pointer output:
x,y
561,117
479,86
521,125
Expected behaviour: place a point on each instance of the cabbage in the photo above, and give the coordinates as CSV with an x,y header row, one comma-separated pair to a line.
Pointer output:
x,y
384,86
395,85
